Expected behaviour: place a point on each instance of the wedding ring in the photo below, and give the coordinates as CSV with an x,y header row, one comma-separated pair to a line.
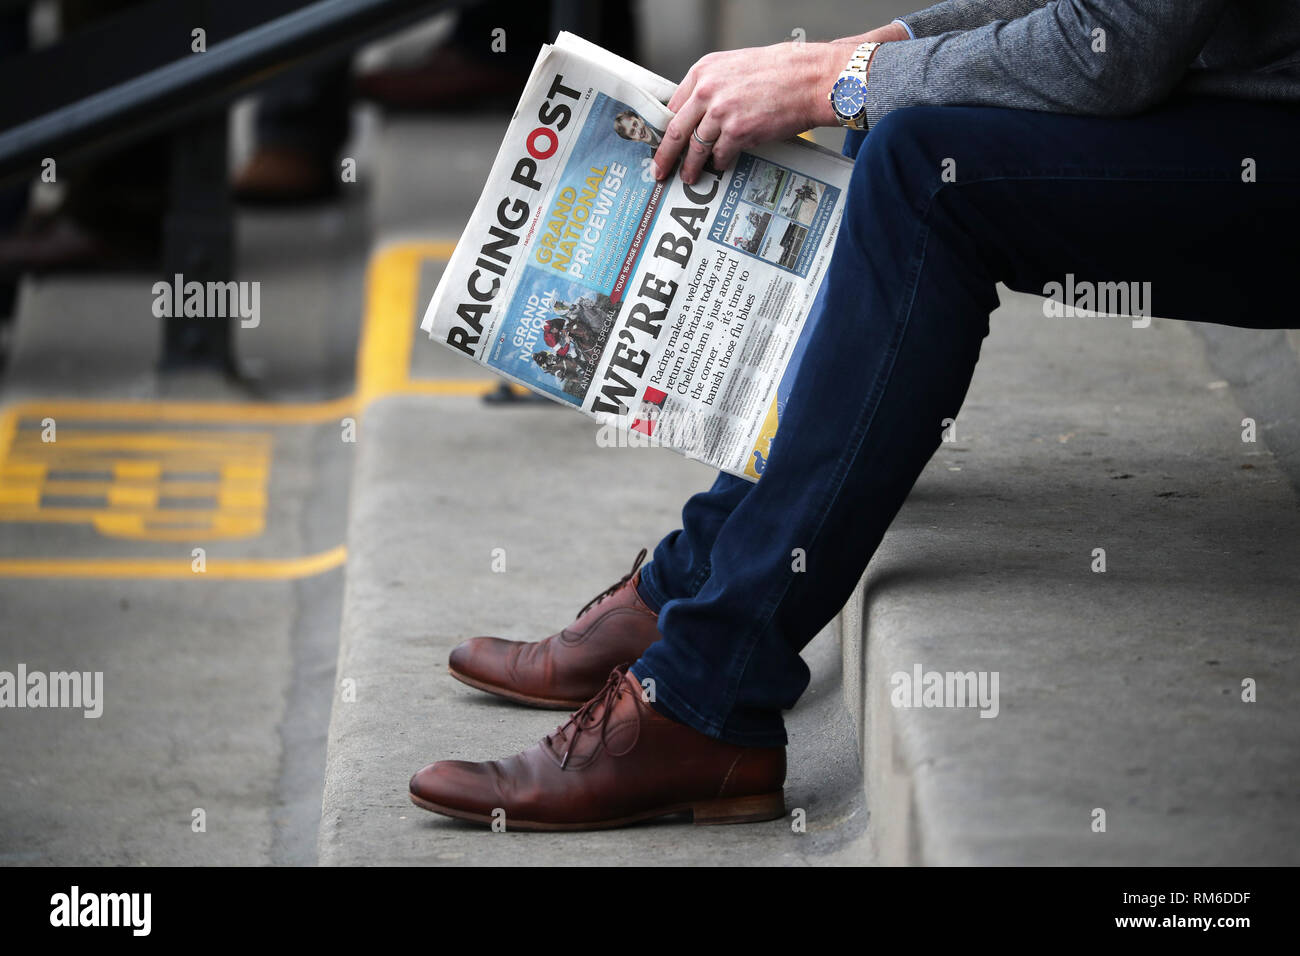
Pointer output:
x,y
706,143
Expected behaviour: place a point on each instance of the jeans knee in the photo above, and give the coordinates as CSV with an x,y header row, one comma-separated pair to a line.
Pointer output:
x,y
903,155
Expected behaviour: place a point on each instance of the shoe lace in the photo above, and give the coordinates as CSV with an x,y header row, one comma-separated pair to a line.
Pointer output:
x,y
593,715
636,566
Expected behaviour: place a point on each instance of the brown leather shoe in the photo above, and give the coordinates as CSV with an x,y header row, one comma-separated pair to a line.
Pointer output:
x,y
564,670
616,761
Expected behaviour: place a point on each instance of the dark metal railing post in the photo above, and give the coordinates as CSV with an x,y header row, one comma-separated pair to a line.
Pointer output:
x,y
199,240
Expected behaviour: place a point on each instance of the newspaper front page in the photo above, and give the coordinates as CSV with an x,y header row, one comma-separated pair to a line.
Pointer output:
x,y
671,313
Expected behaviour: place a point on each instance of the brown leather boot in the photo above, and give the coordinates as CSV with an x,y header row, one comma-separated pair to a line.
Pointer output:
x,y
566,669
614,762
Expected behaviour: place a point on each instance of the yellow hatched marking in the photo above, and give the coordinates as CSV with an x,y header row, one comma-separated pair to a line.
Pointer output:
x,y
134,497
196,518
129,470
166,488
128,505
179,527
143,471
19,497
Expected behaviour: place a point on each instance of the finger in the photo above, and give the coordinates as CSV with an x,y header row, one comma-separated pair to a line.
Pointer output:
x,y
683,92
696,152
725,151
677,135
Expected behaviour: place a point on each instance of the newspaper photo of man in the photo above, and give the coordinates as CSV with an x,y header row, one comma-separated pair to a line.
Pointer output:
x,y
591,313
630,125
575,336
568,338
567,368
578,329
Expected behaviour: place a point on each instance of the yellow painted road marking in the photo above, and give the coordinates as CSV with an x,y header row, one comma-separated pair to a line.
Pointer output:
x,y
74,442
445,387
384,359
140,461
196,519
164,526
167,488
383,364
269,413
248,569
130,505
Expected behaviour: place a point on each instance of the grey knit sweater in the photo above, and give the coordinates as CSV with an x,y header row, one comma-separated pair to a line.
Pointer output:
x,y
1101,57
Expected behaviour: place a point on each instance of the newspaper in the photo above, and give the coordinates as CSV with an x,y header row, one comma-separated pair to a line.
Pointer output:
x,y
674,314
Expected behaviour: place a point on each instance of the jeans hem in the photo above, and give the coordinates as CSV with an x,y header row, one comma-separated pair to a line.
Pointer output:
x,y
675,708
648,588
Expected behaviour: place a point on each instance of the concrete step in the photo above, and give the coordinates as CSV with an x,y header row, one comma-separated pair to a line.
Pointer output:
x,y
1119,691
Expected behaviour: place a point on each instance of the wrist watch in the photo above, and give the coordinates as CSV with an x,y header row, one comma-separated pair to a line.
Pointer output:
x,y
849,94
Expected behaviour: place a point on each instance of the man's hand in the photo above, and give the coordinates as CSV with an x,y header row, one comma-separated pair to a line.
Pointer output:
x,y
740,98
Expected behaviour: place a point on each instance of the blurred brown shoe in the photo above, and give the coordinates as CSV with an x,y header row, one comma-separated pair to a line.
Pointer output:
x,y
447,80
284,175
59,243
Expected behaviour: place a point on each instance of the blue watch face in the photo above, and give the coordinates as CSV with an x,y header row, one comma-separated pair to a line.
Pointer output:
x,y
849,96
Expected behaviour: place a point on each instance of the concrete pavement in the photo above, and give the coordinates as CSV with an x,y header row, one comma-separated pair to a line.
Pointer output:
x,y
216,692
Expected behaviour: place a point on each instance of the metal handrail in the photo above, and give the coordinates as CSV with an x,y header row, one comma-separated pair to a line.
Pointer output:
x,y
159,98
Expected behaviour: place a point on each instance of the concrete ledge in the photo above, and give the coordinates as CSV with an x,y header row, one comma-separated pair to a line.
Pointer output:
x,y
1119,691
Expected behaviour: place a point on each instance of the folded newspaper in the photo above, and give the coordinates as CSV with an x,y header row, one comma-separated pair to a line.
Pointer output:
x,y
673,313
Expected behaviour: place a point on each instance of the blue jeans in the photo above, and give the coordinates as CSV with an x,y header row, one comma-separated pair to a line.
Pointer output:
x,y
1158,198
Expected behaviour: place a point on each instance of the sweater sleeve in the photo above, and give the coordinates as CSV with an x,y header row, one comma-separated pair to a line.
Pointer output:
x,y
1096,57
952,15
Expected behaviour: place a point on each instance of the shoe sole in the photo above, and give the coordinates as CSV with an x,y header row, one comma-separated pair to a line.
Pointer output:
x,y
756,809
541,702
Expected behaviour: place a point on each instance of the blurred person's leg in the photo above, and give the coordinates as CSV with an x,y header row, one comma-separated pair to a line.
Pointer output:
x,y
301,126
912,282
120,199
467,72
13,199
111,215
13,41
